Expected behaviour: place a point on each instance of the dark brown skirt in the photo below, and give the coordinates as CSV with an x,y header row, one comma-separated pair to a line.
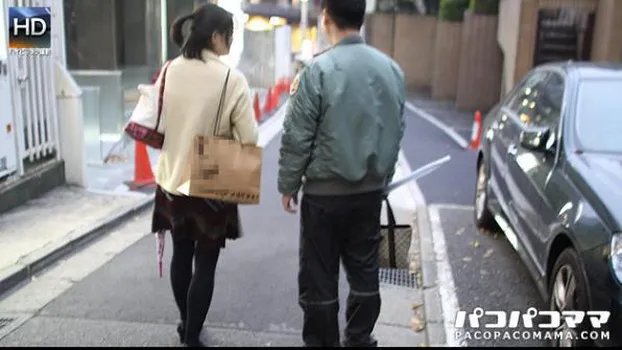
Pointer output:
x,y
208,222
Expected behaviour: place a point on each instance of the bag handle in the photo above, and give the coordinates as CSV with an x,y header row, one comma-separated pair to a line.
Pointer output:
x,y
161,95
222,99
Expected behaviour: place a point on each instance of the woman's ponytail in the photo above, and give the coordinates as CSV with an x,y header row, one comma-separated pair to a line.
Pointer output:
x,y
177,34
206,20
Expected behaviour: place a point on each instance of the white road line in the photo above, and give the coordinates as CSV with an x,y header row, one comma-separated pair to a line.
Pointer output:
x,y
447,288
451,133
415,191
453,206
271,127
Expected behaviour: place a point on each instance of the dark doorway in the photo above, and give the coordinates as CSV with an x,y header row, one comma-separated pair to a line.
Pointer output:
x,y
562,35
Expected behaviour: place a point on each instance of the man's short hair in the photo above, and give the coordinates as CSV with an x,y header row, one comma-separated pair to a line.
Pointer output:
x,y
347,14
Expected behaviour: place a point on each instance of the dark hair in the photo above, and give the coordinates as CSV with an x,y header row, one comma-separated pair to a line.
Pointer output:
x,y
347,14
205,21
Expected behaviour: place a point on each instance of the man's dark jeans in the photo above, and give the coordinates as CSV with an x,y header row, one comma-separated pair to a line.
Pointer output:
x,y
334,227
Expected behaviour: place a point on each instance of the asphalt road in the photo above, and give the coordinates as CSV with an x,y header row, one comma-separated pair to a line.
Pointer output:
x,y
486,271
110,293
254,304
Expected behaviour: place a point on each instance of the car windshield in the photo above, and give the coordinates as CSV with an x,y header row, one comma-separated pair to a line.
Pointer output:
x,y
599,115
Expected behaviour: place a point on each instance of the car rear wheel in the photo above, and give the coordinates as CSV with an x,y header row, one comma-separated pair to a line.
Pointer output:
x,y
483,217
568,292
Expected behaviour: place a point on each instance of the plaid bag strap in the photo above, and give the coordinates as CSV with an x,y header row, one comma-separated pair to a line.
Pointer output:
x,y
161,96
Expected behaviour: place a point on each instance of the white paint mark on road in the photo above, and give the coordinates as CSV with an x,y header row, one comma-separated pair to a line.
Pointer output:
x,y
402,201
451,133
447,287
271,127
453,206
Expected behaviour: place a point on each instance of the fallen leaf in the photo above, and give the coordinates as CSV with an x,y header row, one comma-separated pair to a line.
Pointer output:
x,y
416,306
417,324
495,236
476,244
484,232
460,231
488,253
467,258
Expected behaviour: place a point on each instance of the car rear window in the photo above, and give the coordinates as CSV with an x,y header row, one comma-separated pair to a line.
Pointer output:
x,y
599,115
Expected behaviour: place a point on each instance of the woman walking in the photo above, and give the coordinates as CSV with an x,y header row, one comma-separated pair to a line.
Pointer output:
x,y
198,87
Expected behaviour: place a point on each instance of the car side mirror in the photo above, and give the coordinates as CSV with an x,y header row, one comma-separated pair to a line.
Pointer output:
x,y
537,139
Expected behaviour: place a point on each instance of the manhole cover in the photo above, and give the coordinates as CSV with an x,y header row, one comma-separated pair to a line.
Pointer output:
x,y
398,277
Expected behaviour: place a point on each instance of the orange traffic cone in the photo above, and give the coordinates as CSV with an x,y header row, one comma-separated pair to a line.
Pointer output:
x,y
275,99
268,106
143,175
476,133
257,108
281,85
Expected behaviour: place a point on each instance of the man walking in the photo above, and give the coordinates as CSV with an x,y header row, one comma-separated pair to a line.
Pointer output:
x,y
341,140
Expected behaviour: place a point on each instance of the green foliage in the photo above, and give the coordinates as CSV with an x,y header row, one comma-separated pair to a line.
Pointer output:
x,y
452,10
484,7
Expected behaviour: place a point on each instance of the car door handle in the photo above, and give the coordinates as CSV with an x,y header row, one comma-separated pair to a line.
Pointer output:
x,y
512,150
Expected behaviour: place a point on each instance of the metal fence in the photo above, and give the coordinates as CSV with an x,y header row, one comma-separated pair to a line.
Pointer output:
x,y
34,93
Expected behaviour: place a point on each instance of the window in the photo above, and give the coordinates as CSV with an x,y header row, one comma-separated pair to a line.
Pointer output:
x,y
599,115
523,102
548,105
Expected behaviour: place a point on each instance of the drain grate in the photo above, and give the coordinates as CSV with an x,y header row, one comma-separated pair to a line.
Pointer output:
x,y
5,321
8,323
398,277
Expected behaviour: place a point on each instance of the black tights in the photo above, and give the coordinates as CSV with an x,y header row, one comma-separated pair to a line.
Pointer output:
x,y
193,293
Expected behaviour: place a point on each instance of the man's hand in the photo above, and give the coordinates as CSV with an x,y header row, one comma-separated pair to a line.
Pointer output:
x,y
290,203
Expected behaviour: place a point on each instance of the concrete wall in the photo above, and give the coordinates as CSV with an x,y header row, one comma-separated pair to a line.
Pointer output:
x,y
508,36
380,31
446,60
410,40
479,78
112,34
413,49
607,44
91,31
175,9
528,29
134,32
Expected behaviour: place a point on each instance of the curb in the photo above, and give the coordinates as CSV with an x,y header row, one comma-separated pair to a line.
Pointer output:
x,y
40,259
423,251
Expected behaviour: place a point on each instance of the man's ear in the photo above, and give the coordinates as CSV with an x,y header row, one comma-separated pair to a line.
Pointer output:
x,y
325,19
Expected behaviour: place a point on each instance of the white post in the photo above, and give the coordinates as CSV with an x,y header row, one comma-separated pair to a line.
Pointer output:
x,y
71,125
304,19
164,30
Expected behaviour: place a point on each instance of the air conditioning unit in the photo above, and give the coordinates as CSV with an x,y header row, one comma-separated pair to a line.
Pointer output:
x,y
8,154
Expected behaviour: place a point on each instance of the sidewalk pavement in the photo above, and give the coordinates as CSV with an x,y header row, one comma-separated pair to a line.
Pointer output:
x,y
47,229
